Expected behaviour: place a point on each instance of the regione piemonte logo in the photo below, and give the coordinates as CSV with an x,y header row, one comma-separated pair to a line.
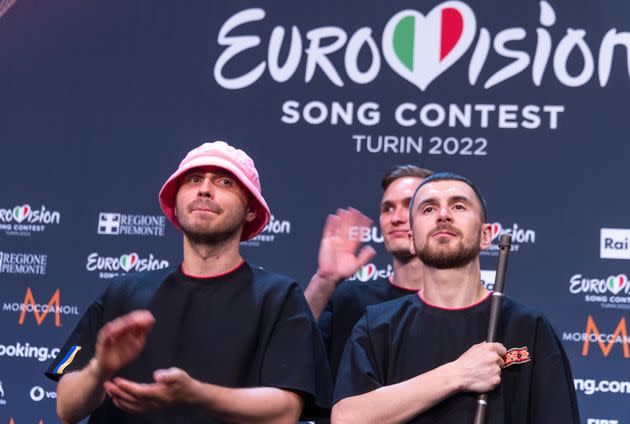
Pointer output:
x,y
114,223
419,48
614,243
23,263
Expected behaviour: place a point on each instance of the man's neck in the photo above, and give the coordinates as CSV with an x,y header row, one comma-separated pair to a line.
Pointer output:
x,y
407,272
455,287
203,260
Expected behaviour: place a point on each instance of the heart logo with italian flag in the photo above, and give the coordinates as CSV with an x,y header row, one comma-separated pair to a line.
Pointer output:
x,y
20,213
419,48
616,283
496,229
128,261
366,272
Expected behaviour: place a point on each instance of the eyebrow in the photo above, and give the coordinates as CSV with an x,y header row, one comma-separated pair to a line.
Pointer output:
x,y
393,202
217,171
451,200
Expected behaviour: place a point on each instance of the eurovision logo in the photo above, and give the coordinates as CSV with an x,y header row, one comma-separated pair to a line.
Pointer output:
x,y
612,292
370,272
22,220
520,236
419,46
113,266
275,227
113,223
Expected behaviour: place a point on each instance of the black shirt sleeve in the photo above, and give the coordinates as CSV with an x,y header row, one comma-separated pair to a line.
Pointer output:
x,y
295,357
553,397
79,348
325,323
358,372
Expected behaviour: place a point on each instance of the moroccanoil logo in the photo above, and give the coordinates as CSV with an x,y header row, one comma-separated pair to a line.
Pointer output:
x,y
606,343
40,310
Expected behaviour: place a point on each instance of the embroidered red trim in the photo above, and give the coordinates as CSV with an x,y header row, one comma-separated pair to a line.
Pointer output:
x,y
517,355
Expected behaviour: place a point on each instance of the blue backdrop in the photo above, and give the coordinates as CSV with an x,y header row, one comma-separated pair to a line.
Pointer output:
x,y
100,100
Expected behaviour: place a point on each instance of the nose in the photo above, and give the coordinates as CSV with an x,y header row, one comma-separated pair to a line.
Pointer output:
x,y
400,215
206,188
444,214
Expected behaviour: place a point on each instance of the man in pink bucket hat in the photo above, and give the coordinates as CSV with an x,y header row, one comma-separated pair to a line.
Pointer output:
x,y
213,340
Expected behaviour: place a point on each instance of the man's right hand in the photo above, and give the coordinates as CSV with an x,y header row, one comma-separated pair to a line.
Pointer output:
x,y
479,368
119,342
339,254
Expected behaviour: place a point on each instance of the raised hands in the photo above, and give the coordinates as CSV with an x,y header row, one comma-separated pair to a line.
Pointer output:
x,y
339,253
171,387
120,341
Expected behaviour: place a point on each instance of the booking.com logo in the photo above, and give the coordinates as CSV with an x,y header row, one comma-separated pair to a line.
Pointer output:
x,y
19,350
590,386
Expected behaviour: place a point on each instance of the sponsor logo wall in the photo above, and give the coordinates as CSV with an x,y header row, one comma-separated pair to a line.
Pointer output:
x,y
528,99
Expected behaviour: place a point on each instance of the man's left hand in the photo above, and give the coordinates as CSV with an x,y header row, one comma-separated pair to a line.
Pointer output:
x,y
172,386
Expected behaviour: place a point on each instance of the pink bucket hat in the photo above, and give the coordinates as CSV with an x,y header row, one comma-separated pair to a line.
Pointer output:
x,y
224,156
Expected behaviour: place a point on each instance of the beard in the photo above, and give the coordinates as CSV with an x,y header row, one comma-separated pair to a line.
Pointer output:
x,y
202,236
204,233
442,258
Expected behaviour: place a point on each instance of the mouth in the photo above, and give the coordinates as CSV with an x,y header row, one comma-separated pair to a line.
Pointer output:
x,y
398,233
205,208
445,232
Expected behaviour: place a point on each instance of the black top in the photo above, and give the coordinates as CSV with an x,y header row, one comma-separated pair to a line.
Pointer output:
x,y
247,328
398,340
344,309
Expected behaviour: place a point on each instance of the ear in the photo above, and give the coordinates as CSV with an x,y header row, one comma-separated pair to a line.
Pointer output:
x,y
251,213
486,236
412,247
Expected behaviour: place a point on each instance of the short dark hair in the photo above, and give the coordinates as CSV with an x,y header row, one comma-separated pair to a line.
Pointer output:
x,y
402,171
441,176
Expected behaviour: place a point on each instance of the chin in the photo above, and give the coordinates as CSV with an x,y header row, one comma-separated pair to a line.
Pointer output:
x,y
400,252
